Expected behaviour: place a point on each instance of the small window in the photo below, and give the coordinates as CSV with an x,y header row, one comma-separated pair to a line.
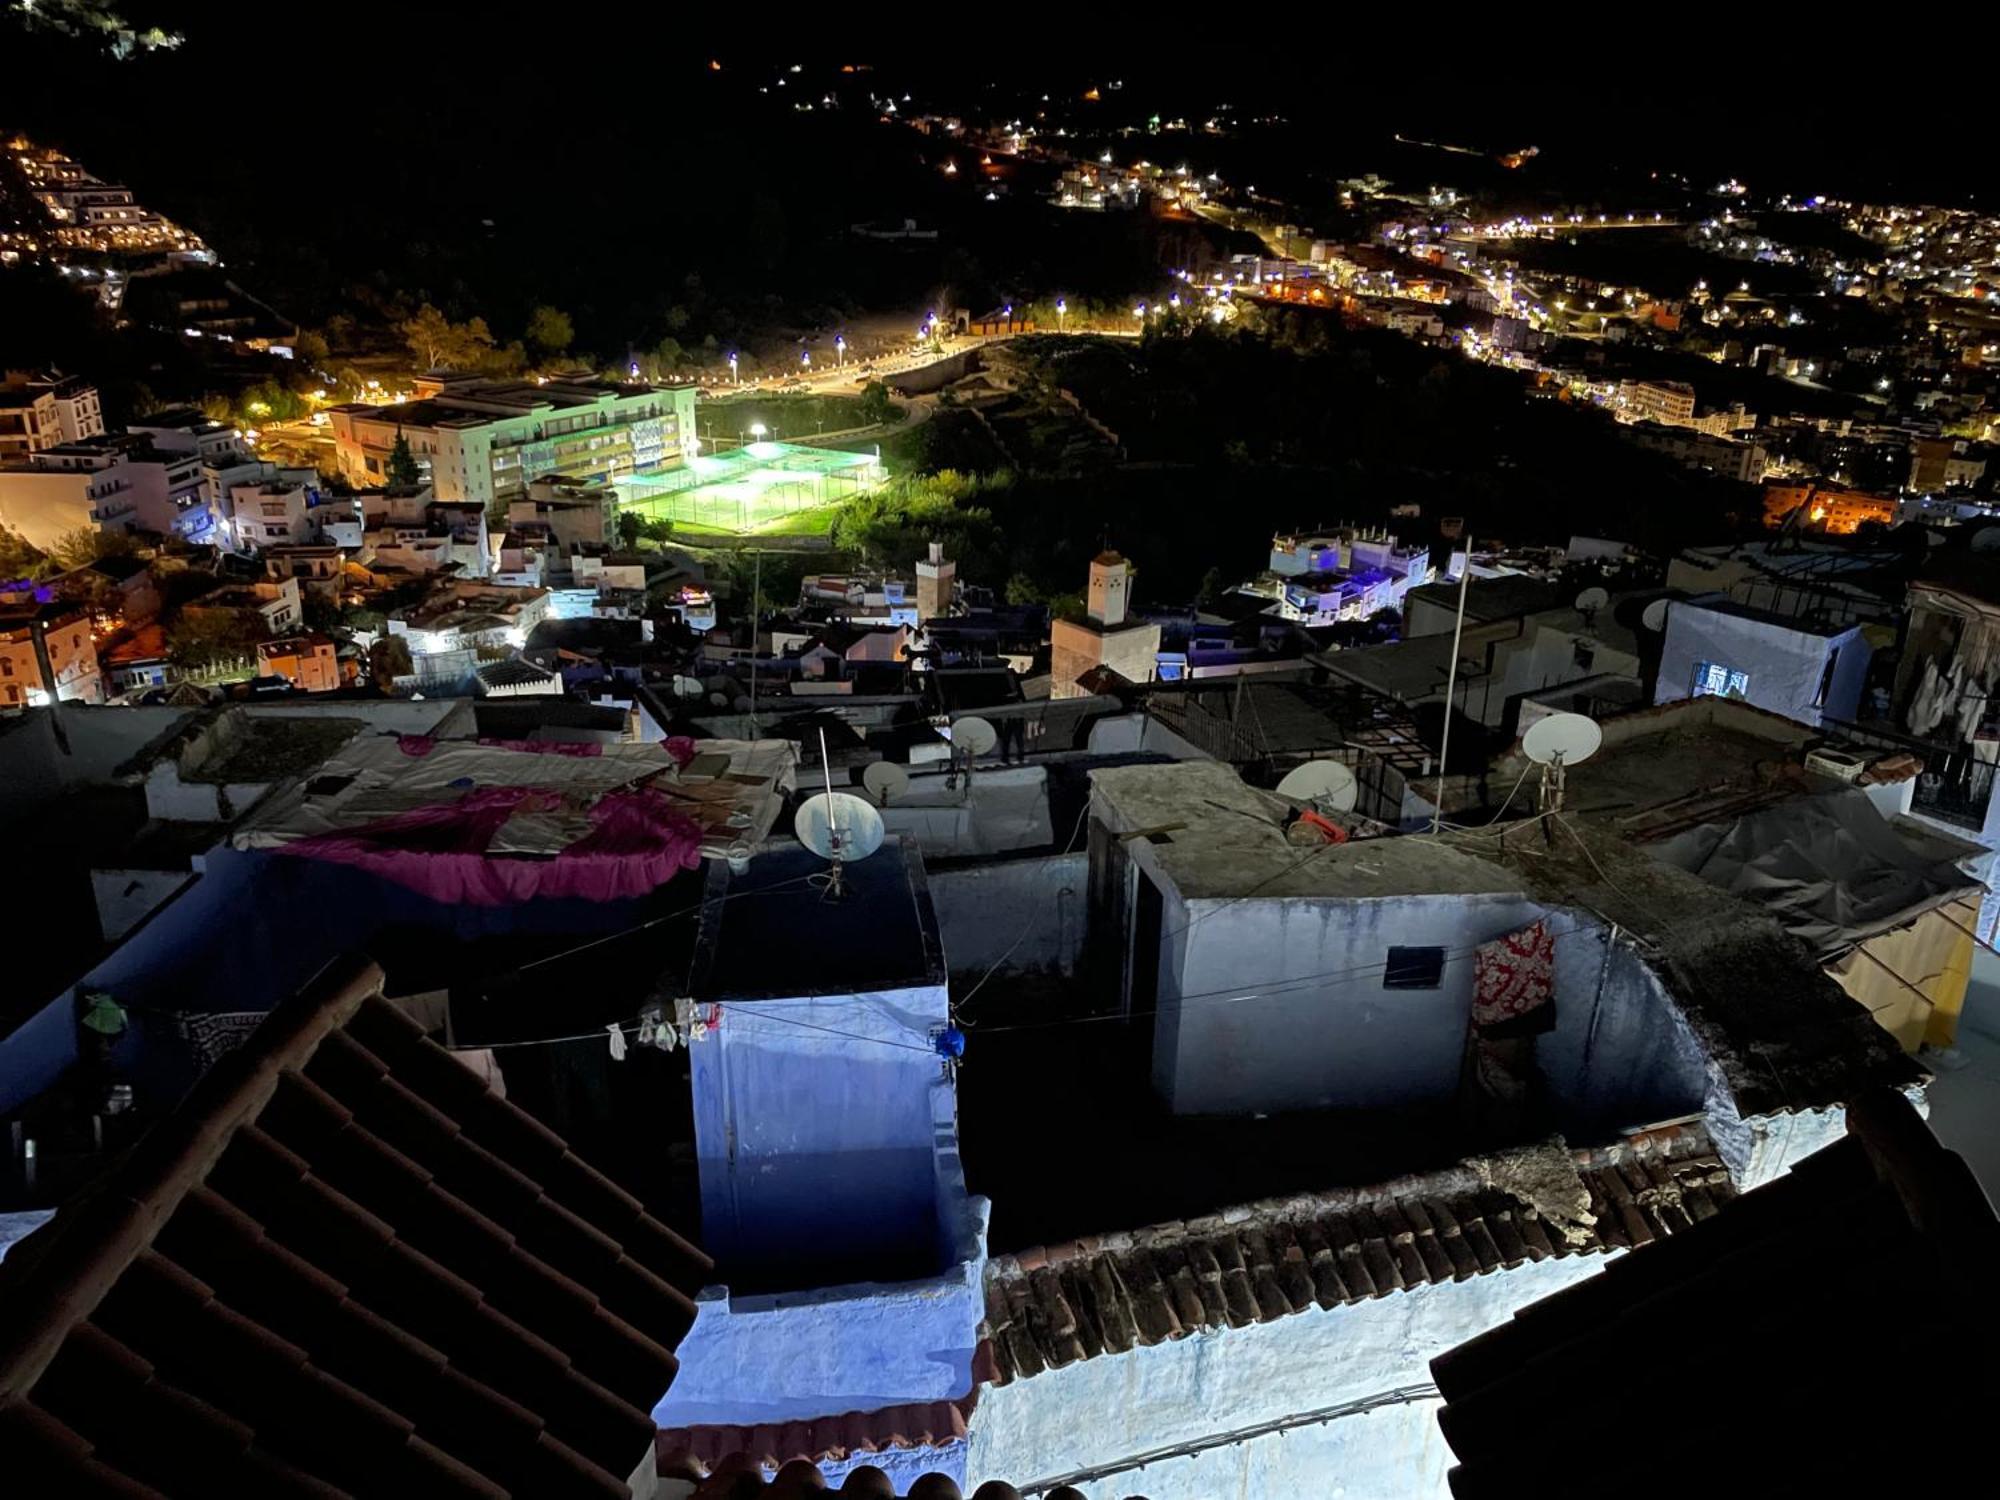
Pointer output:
x,y
1582,655
1712,678
1414,969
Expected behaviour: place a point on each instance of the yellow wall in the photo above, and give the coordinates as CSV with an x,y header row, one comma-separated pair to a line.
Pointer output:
x,y
1930,956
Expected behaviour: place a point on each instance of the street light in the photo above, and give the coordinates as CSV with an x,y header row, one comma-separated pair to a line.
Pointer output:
x,y
840,349
734,378
1062,312
757,431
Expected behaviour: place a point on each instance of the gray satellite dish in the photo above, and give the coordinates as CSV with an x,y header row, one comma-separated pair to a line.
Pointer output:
x,y
687,687
838,826
974,736
1592,599
720,700
1562,739
885,781
1986,539
1326,784
1655,617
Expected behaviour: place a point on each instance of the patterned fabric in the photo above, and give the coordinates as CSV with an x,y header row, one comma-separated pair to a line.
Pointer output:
x,y
215,1034
1514,983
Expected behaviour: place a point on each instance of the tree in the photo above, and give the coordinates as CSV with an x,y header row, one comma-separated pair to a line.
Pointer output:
x,y
631,525
85,545
18,559
428,335
311,349
388,659
435,342
204,640
550,331
403,470
660,530
1021,589
874,406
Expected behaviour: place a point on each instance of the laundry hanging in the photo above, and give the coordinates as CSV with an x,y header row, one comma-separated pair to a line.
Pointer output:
x,y
1514,983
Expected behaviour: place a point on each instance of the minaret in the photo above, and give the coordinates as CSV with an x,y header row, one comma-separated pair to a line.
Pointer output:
x,y
935,584
1110,589
1108,637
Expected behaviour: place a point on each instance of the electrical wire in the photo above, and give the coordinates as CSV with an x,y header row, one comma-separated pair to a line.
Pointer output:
x,y
1034,915
650,922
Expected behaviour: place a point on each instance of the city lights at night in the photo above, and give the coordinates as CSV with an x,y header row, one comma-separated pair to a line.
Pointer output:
x,y
761,758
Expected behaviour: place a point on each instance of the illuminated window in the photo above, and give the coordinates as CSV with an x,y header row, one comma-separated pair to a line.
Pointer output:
x,y
1713,679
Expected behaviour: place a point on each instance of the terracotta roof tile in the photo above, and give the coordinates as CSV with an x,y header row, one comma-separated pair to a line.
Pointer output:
x,y
1790,1277
342,1268
1271,1260
930,1424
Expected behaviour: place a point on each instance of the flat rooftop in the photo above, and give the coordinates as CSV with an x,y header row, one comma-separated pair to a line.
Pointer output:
x,y
1796,624
1220,839
774,932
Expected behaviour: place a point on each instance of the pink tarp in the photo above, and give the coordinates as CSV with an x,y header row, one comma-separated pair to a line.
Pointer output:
x,y
637,842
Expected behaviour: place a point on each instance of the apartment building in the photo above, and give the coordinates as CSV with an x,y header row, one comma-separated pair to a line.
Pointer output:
x,y
64,630
42,411
483,441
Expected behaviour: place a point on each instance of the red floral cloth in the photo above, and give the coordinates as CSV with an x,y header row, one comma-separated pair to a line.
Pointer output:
x,y
1514,982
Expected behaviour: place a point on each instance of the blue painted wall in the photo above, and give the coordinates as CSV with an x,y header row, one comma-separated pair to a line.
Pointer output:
x,y
817,1133
249,933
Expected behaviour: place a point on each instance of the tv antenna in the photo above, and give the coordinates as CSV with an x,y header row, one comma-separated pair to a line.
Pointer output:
x,y
1589,602
1557,742
885,781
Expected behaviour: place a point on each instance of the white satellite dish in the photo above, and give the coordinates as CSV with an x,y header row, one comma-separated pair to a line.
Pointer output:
x,y
1557,743
974,736
838,826
885,781
1327,784
688,687
1562,739
1655,616
1592,599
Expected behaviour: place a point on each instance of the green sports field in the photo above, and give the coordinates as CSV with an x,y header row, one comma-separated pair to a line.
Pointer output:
x,y
751,488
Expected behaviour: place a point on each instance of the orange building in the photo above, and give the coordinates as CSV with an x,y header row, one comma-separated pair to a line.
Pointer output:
x,y
1837,512
306,661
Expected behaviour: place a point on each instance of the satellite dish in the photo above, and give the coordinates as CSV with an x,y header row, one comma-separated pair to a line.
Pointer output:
x,y
1655,617
720,700
1592,599
1326,783
885,781
1986,539
687,687
974,736
838,826
1562,739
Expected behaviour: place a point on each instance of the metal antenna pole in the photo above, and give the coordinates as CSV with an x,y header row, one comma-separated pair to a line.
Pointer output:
x,y
756,594
1450,684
